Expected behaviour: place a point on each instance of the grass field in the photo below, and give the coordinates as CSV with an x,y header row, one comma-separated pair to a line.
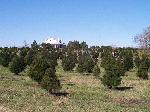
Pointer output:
x,y
85,94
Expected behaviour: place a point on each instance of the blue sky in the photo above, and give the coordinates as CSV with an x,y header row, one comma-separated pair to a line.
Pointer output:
x,y
98,22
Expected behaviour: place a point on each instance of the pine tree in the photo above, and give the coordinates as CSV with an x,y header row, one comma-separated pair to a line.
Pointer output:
x,y
43,70
69,61
106,52
143,67
112,76
5,57
85,63
96,71
88,64
29,57
50,81
38,68
137,61
128,59
17,65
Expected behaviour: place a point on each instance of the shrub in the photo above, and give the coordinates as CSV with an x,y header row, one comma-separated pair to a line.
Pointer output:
x,y
5,57
17,65
96,71
68,61
128,60
112,76
38,68
137,61
50,81
29,57
85,63
43,70
143,67
142,72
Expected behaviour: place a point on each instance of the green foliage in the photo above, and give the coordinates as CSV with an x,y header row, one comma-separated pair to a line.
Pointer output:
x,y
5,56
43,70
143,68
96,71
126,56
137,61
94,52
142,72
88,64
31,54
128,60
75,45
112,77
50,81
106,52
38,68
69,61
17,65
85,63
29,57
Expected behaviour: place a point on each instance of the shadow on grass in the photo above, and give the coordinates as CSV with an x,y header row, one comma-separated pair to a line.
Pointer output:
x,y
123,88
60,93
70,84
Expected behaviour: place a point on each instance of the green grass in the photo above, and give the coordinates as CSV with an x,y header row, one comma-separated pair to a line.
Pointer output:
x,y
86,94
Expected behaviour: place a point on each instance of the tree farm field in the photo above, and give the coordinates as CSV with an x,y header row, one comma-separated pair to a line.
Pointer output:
x,y
82,93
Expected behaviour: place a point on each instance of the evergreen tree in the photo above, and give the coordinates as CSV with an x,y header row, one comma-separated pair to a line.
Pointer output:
x,y
128,59
143,67
17,65
112,76
88,64
43,70
142,72
69,61
5,56
96,71
50,81
106,52
38,68
85,63
30,57
137,61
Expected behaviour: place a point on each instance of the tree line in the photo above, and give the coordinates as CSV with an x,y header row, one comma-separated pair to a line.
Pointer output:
x,y
42,61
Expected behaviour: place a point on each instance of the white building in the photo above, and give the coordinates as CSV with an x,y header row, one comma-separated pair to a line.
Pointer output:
x,y
57,43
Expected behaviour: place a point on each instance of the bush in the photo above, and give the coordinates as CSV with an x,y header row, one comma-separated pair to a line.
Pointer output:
x,y
128,60
29,57
137,61
143,67
5,57
38,69
68,61
142,72
112,76
50,81
17,65
96,71
85,63
43,70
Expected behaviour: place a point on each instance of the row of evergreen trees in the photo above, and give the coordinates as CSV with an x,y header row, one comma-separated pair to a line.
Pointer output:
x,y
118,61
40,59
42,62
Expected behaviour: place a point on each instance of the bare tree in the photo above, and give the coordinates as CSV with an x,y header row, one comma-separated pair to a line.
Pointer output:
x,y
143,39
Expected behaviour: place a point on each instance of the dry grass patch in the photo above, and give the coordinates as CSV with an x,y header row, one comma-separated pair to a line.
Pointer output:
x,y
5,109
89,81
131,102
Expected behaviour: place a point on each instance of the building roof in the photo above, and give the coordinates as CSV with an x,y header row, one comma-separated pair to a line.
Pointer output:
x,y
53,41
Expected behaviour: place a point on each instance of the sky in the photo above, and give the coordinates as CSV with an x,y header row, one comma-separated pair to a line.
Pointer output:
x,y
98,22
